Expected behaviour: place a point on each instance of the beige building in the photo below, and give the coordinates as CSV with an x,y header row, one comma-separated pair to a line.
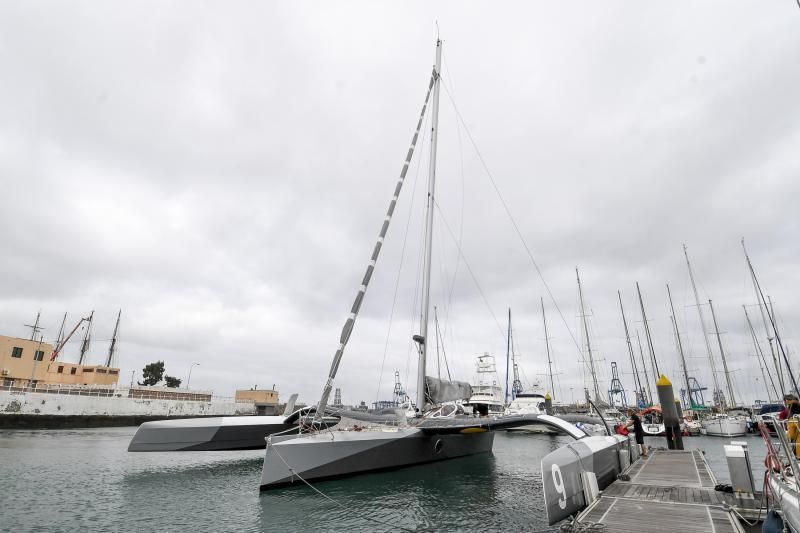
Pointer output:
x,y
266,401
24,362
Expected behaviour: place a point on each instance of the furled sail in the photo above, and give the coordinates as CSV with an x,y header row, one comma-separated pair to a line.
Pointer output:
x,y
348,325
440,390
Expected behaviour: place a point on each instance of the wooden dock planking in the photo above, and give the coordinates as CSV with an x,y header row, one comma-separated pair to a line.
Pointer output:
x,y
670,491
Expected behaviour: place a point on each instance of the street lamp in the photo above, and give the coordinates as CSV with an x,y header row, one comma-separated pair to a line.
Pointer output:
x,y
190,374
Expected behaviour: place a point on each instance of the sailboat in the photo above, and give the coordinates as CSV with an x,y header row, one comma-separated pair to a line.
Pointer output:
x,y
438,431
720,424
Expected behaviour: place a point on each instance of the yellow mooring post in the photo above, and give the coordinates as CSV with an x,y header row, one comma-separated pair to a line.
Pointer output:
x,y
548,404
669,412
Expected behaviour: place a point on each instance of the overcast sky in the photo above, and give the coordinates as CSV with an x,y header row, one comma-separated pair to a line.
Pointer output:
x,y
220,173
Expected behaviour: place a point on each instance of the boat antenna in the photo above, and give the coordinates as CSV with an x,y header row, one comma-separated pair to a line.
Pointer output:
x,y
647,336
597,396
722,354
711,362
112,348
547,347
35,327
772,321
640,399
347,330
87,338
770,337
421,339
508,353
760,353
680,350
644,369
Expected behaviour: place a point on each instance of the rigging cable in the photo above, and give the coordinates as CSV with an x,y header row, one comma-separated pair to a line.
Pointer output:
x,y
511,218
472,274
400,267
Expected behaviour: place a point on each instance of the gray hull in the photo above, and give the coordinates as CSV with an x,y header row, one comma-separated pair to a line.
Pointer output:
x,y
197,434
331,454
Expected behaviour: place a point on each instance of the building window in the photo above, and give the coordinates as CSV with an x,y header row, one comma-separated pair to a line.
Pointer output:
x,y
16,351
39,355
85,370
73,370
113,372
100,370
60,369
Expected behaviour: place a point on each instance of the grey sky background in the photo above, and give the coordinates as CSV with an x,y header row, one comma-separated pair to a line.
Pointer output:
x,y
220,173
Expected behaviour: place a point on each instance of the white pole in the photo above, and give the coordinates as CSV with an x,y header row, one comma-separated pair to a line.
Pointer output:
x,y
189,379
421,400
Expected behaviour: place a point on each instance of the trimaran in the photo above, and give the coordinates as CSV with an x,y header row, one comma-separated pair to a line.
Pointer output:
x,y
434,433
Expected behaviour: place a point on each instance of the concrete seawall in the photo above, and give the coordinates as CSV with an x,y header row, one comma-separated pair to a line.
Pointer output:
x,y
44,410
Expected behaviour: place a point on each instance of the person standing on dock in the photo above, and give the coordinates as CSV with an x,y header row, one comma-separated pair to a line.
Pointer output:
x,y
788,401
638,431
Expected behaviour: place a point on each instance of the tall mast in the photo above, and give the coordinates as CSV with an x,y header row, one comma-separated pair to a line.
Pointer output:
x,y
549,360
770,337
508,352
113,345
636,380
61,330
680,350
722,353
87,339
347,329
644,369
771,316
35,327
760,353
705,331
426,282
653,359
597,396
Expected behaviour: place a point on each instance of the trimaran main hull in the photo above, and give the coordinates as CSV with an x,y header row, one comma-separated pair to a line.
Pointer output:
x,y
333,454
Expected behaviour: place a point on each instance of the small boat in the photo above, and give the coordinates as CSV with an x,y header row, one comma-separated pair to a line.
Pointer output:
x,y
216,433
487,396
723,425
528,403
653,422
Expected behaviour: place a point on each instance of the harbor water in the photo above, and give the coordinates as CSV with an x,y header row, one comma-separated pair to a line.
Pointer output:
x,y
85,480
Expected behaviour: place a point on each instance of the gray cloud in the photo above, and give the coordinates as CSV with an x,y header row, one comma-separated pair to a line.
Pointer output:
x,y
221,175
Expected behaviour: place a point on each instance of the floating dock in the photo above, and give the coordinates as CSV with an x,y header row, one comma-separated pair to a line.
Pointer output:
x,y
670,490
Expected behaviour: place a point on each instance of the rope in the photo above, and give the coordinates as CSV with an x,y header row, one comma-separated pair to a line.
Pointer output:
x,y
343,506
580,527
471,273
511,218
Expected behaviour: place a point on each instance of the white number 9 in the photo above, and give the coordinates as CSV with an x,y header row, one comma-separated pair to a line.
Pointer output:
x,y
558,482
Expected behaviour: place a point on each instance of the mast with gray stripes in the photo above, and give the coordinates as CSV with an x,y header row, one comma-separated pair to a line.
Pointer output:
x,y
348,326
422,338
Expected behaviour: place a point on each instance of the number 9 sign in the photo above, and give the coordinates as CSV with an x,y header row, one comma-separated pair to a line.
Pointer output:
x,y
558,483
563,492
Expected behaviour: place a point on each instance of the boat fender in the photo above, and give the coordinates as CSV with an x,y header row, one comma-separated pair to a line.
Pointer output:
x,y
773,523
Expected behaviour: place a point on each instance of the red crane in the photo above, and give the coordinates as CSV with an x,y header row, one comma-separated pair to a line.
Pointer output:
x,y
58,348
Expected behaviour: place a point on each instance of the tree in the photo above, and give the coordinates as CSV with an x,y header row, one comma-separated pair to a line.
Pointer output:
x,y
152,373
172,383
